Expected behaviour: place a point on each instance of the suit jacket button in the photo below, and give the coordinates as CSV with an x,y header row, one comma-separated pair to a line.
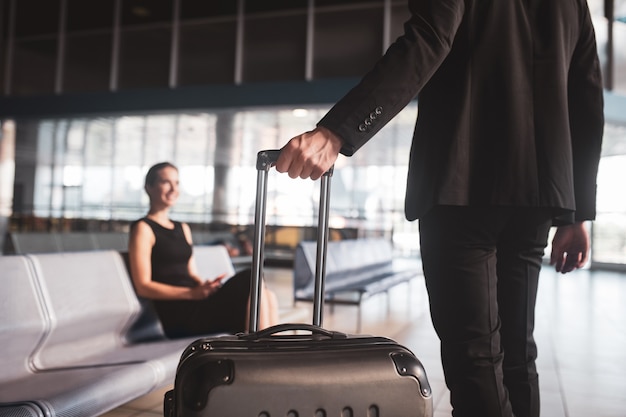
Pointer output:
x,y
362,127
378,110
367,122
373,115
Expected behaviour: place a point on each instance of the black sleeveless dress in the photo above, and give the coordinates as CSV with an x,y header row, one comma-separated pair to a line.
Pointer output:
x,y
224,311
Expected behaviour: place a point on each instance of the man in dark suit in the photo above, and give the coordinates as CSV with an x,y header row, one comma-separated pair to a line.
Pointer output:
x,y
507,144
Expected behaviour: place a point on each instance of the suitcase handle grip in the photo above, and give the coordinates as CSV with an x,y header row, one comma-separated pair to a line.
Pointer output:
x,y
267,158
292,327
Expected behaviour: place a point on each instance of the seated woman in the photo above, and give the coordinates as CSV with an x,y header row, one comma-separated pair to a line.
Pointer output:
x,y
162,268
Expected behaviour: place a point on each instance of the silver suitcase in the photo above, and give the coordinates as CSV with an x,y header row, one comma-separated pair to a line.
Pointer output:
x,y
297,370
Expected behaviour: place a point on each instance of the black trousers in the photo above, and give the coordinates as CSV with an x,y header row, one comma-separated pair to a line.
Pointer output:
x,y
225,311
481,267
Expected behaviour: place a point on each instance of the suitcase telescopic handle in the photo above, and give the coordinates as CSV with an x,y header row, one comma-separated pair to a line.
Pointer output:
x,y
292,327
266,159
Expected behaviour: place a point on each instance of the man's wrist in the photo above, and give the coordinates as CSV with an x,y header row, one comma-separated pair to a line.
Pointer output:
x,y
334,139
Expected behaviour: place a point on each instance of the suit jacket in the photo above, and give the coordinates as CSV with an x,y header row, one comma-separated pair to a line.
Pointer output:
x,y
510,105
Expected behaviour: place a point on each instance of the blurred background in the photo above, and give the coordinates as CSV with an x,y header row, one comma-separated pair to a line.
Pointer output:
x,y
94,92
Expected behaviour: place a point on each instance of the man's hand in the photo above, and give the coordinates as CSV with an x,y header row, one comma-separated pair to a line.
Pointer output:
x,y
310,154
570,248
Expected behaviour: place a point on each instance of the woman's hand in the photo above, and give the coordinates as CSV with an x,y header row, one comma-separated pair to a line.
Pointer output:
x,y
207,288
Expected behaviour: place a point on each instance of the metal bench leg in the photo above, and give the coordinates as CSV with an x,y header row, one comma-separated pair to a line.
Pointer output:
x,y
388,303
358,317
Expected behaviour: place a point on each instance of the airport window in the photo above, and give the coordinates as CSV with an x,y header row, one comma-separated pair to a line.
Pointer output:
x,y
195,138
72,159
128,135
52,171
617,71
95,169
619,40
97,180
195,144
160,135
196,183
609,229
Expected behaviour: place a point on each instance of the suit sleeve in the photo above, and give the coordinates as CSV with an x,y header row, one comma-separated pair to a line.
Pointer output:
x,y
586,113
399,75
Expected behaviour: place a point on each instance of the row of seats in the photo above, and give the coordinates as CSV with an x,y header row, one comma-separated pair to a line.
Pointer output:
x,y
75,338
355,270
53,242
48,242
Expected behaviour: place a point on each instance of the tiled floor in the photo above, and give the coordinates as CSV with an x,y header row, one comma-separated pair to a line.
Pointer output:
x,y
581,333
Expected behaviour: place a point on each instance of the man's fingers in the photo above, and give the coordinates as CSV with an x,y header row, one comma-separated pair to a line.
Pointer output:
x,y
558,263
583,258
554,257
571,261
291,160
568,262
309,155
283,163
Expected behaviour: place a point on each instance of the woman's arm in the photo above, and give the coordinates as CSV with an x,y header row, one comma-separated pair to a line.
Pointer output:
x,y
140,245
191,265
214,282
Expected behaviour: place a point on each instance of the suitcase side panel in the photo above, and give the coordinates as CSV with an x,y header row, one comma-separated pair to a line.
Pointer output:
x,y
368,380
